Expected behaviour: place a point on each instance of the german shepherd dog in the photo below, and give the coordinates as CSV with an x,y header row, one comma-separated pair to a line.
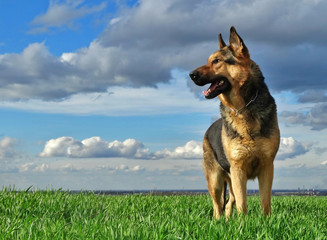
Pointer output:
x,y
242,144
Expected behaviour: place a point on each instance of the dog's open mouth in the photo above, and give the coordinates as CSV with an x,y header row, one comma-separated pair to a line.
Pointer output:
x,y
216,88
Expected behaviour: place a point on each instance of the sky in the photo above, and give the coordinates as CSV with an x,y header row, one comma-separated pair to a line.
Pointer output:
x,y
95,95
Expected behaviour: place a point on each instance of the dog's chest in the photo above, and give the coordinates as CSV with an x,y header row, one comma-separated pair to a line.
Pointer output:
x,y
244,154
244,147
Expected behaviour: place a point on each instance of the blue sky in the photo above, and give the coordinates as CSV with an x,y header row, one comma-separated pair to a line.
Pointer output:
x,y
96,94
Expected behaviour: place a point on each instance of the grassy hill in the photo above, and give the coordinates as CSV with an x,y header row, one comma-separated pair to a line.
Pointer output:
x,y
61,215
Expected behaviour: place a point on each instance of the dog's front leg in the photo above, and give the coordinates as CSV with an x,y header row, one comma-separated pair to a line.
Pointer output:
x,y
265,179
239,179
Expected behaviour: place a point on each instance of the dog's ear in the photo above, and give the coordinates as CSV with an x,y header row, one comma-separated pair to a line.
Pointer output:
x,y
237,44
221,41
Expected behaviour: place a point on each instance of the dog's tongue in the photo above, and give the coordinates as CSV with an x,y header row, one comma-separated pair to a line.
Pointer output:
x,y
212,87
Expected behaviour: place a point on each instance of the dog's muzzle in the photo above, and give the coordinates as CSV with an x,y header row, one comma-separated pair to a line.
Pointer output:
x,y
218,84
195,76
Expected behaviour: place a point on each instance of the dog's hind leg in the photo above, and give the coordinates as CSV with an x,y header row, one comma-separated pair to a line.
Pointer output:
x,y
215,177
216,190
231,201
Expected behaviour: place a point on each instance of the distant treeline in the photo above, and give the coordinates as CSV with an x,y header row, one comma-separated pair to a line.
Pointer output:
x,y
277,192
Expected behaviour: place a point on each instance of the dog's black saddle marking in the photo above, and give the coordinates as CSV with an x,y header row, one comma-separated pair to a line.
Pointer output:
x,y
213,134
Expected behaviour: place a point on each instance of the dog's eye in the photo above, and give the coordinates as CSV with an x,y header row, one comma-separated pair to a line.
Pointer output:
x,y
215,61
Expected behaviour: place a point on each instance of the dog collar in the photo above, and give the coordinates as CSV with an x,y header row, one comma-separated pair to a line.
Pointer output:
x,y
238,111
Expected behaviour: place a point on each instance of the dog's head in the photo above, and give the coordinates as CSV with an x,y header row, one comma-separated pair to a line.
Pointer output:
x,y
227,69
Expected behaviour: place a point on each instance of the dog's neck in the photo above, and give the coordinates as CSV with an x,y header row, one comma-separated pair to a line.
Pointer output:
x,y
241,122
238,102
240,110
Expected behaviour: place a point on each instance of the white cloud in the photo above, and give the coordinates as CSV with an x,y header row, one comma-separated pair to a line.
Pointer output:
x,y
316,118
65,166
59,147
297,165
137,168
94,147
28,75
130,148
63,13
290,148
33,167
27,167
42,168
191,150
68,167
7,148
125,168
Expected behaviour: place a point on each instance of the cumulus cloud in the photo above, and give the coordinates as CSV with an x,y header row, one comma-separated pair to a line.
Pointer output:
x,y
59,146
290,148
8,148
33,167
124,168
42,168
63,13
316,118
35,73
27,167
68,167
313,96
93,147
142,44
190,150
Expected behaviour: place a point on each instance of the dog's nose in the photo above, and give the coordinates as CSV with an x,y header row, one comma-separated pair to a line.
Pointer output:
x,y
194,75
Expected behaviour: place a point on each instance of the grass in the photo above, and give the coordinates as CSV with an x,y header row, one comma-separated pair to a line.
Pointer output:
x,y
60,215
